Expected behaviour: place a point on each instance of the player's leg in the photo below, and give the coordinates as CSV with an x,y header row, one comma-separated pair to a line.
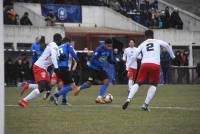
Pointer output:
x,y
42,85
101,75
153,78
88,83
140,80
131,77
42,78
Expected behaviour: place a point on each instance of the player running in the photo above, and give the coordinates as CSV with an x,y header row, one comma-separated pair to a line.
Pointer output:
x,y
131,66
102,54
65,50
149,69
48,57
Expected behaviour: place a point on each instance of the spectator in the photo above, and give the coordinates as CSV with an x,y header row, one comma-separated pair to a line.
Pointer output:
x,y
50,19
175,20
10,16
9,72
25,19
19,70
26,69
167,16
165,63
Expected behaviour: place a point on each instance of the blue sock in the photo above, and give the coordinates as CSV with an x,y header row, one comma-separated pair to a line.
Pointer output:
x,y
64,90
102,90
64,96
84,85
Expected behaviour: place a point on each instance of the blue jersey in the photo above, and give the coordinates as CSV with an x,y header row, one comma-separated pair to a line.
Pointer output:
x,y
63,54
99,57
37,51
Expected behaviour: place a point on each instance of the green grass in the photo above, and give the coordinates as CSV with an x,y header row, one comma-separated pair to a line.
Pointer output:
x,y
85,117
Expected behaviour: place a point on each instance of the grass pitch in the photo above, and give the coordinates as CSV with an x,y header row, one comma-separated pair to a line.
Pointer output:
x,y
174,110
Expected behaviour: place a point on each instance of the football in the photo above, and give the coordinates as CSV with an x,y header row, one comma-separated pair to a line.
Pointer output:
x,y
108,98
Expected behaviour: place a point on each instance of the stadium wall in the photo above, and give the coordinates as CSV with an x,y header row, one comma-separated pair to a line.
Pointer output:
x,y
191,22
92,16
27,34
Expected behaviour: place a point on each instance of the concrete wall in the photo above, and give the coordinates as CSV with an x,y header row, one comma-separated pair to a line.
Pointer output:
x,y
178,37
91,15
191,22
27,34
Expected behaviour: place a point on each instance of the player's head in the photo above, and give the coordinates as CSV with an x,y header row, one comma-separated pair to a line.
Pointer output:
x,y
132,43
66,39
108,43
57,38
148,34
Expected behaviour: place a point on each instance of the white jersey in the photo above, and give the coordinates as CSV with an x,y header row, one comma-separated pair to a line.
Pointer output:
x,y
48,57
127,56
150,50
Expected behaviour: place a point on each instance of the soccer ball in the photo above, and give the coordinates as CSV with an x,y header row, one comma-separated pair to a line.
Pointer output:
x,y
108,98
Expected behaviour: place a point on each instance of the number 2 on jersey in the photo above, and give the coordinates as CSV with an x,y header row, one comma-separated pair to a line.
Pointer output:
x,y
150,47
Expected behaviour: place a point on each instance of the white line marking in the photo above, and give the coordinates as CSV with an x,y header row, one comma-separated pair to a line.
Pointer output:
x,y
116,106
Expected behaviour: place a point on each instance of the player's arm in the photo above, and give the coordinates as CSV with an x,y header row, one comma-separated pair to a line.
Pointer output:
x,y
168,48
73,54
111,58
54,57
124,57
74,65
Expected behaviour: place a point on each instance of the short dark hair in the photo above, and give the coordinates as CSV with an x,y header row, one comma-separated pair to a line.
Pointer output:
x,y
66,39
148,33
108,41
57,38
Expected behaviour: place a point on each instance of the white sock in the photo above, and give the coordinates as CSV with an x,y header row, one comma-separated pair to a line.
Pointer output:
x,y
133,90
150,94
130,84
33,86
32,95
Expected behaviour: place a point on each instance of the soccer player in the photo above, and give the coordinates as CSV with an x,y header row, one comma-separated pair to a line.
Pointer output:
x,y
65,50
149,69
48,57
102,54
131,66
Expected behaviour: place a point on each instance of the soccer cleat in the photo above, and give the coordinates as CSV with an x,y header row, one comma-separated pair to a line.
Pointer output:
x,y
125,105
23,103
23,88
99,100
54,99
76,91
46,95
145,107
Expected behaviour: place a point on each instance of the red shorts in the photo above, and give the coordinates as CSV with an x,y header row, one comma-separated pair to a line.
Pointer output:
x,y
149,72
54,77
131,74
40,74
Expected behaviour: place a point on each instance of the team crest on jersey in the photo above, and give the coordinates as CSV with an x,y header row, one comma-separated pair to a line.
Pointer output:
x,y
43,74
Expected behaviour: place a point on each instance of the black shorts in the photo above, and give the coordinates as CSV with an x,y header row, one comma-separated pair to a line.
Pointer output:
x,y
97,74
65,75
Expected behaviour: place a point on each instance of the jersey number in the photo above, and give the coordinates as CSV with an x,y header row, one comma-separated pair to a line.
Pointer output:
x,y
150,47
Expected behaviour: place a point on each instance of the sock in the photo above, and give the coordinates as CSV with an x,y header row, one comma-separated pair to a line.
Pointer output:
x,y
133,91
32,95
130,84
84,85
64,90
102,90
64,97
150,94
33,86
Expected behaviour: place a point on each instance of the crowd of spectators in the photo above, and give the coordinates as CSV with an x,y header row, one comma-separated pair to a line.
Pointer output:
x,y
12,18
141,11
